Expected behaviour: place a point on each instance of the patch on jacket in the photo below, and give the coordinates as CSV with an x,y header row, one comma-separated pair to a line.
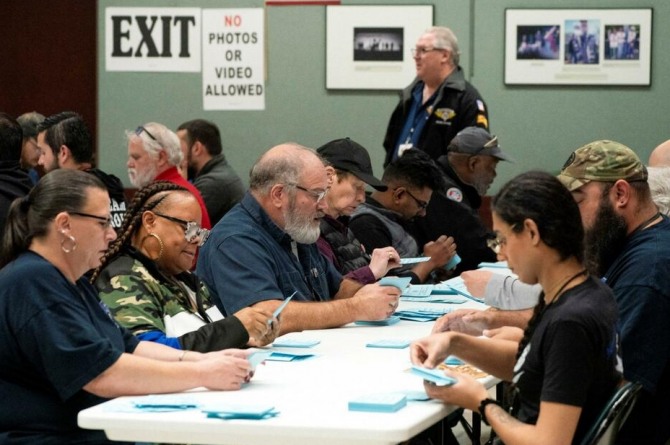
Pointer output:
x,y
444,114
482,121
455,194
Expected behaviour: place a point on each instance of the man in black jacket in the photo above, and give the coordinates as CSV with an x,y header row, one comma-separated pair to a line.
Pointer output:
x,y
438,104
65,142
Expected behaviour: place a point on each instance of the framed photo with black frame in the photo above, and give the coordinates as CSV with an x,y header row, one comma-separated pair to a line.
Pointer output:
x,y
368,47
578,46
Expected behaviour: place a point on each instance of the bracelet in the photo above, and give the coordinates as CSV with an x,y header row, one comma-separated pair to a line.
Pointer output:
x,y
181,357
482,408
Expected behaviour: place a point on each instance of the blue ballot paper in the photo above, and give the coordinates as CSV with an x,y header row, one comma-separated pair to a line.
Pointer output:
x,y
288,356
281,307
385,322
399,282
390,343
379,403
258,357
240,411
295,343
453,262
436,375
420,259
166,402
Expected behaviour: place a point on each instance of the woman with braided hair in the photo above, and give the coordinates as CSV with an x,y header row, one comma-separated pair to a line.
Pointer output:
x,y
145,281
60,351
563,369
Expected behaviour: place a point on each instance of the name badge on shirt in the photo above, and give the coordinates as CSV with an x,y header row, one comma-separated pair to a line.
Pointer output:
x,y
402,148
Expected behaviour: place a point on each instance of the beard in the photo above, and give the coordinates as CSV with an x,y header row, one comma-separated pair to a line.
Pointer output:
x,y
142,178
481,185
303,229
605,239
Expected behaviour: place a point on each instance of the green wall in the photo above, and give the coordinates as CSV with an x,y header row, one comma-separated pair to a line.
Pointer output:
x,y
539,126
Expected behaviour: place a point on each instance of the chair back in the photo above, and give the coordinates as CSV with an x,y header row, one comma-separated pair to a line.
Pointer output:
x,y
613,416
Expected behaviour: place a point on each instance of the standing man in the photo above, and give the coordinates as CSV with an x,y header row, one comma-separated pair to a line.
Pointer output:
x,y
65,142
438,104
221,188
14,181
154,153
264,250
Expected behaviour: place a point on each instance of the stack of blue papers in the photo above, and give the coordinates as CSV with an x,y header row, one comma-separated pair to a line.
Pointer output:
x,y
399,282
379,403
393,319
165,403
458,285
287,357
240,411
295,343
421,314
388,343
436,375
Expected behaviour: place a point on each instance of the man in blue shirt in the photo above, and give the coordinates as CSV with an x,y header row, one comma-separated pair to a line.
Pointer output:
x,y
264,250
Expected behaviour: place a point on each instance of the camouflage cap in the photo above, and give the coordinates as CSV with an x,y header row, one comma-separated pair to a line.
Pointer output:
x,y
601,161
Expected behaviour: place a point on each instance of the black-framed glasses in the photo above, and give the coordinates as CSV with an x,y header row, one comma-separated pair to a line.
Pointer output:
x,y
423,205
192,229
420,52
105,221
313,193
140,129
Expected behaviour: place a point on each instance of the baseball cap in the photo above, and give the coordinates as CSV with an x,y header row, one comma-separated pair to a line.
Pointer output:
x,y
601,161
29,123
345,154
477,141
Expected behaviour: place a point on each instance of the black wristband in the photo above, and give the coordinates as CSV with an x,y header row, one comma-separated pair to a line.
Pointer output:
x,y
482,408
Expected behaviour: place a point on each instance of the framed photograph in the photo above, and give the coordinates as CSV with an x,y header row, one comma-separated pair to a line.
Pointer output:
x,y
368,47
578,46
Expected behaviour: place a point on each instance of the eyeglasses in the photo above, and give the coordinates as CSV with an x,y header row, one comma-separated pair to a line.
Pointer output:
x,y
421,203
422,51
140,129
313,193
496,243
105,222
192,229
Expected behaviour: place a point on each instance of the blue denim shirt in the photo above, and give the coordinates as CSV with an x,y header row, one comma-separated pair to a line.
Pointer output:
x,y
248,259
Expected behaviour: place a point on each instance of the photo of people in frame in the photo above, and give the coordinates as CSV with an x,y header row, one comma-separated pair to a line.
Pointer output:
x,y
378,44
622,42
582,41
540,42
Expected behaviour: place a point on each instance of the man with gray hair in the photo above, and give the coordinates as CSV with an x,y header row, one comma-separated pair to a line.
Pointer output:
x,y
154,152
264,250
439,102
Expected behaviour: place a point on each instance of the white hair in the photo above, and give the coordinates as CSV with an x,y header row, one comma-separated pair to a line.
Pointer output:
x,y
155,138
659,184
446,39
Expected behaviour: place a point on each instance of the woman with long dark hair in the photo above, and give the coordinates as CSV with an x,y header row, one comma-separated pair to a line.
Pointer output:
x,y
563,370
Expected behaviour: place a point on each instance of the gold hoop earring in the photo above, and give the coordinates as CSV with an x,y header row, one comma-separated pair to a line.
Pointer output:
x,y
65,239
160,243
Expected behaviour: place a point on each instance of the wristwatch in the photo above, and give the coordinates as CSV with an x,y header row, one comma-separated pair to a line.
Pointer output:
x,y
482,408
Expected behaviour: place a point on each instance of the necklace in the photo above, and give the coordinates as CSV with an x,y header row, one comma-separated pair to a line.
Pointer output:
x,y
645,224
565,283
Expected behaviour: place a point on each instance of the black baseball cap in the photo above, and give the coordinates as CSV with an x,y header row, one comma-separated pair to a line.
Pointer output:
x,y
477,141
345,154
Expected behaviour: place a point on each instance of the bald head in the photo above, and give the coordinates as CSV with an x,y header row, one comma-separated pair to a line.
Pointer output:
x,y
284,163
660,157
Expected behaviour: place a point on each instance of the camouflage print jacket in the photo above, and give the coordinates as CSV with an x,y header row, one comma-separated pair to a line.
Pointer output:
x,y
156,306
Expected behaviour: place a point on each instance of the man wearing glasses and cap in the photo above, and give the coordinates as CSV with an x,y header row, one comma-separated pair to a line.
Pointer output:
x,y
439,102
154,152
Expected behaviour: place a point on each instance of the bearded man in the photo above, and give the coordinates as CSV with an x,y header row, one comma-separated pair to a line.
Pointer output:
x,y
264,250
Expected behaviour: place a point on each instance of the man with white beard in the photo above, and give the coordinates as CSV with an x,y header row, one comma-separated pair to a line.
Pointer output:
x,y
154,152
264,250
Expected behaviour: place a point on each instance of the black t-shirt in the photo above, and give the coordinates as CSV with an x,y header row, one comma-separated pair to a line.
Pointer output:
x,y
571,356
56,338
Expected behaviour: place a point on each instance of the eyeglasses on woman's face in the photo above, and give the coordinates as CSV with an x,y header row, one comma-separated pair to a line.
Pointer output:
x,y
104,221
192,230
